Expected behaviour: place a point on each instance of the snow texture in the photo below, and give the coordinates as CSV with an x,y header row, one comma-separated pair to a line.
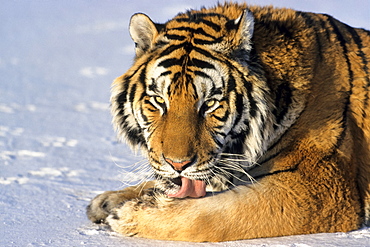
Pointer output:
x,y
57,146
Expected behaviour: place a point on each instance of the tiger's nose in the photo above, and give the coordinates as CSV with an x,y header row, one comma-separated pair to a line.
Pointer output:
x,y
179,165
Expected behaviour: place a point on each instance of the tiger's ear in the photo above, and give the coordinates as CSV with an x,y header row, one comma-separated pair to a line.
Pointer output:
x,y
143,31
244,27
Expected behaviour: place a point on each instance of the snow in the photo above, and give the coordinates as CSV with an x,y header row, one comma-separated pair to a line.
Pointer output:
x,y
57,146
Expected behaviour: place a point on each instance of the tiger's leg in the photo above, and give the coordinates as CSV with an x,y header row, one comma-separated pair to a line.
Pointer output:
x,y
246,212
272,207
276,206
101,206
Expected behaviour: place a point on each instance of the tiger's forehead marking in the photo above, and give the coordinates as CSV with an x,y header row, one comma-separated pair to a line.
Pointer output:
x,y
185,64
189,73
197,28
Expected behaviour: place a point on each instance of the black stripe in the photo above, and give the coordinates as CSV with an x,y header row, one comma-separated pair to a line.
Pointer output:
x,y
293,169
175,85
283,100
194,88
132,93
231,84
252,103
135,136
201,64
216,91
155,161
313,23
143,116
153,110
176,76
189,83
206,53
194,31
175,37
203,75
343,43
239,104
171,62
136,132
253,106
123,120
222,119
160,44
165,73
148,102
142,80
170,49
238,140
122,97
365,68
213,58
207,42
153,87
210,24
142,77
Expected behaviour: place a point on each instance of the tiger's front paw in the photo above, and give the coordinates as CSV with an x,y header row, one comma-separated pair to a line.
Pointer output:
x,y
125,218
165,219
102,205
141,216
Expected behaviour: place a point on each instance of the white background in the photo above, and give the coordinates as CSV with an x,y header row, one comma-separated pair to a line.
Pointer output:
x,y
57,146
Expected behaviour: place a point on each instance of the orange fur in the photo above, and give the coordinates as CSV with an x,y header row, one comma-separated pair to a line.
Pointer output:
x,y
308,72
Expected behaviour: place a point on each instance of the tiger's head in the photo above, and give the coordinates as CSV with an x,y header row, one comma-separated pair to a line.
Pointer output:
x,y
194,100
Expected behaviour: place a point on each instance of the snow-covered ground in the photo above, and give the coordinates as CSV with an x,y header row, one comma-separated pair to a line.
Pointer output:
x,y
57,146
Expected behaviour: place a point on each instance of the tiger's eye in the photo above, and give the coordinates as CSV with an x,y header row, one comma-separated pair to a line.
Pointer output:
x,y
159,100
210,103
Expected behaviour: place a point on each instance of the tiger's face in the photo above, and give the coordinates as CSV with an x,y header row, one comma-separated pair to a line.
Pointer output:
x,y
189,104
186,116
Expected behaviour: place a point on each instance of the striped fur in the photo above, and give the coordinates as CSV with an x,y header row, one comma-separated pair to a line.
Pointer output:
x,y
270,106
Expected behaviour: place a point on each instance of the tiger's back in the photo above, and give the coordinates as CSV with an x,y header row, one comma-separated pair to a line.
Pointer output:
x,y
222,97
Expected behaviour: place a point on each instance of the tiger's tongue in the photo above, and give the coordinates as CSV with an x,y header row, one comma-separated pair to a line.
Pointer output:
x,y
190,188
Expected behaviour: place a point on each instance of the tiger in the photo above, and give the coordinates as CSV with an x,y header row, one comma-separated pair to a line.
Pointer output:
x,y
255,121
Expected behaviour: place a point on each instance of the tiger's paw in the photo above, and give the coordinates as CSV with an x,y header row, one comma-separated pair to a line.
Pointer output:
x,y
125,219
164,218
146,216
102,205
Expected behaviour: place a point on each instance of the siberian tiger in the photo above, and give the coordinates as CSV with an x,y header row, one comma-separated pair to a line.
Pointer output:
x,y
255,120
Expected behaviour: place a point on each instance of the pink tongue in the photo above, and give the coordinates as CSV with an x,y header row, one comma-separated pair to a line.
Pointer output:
x,y
190,188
